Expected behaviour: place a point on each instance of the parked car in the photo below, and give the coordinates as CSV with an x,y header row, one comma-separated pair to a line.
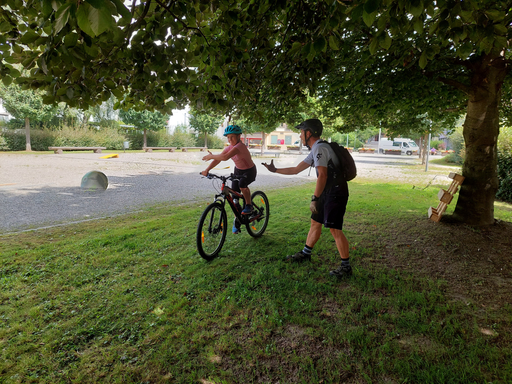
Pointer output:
x,y
405,146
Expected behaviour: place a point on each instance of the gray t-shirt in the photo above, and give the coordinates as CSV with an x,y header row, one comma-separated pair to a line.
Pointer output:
x,y
319,155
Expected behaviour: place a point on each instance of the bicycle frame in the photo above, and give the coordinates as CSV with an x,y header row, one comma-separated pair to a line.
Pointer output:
x,y
226,194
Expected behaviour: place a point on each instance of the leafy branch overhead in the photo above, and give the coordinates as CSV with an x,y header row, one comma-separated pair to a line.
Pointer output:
x,y
161,55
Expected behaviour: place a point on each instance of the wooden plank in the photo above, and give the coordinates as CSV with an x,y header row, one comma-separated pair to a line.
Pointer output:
x,y
456,177
445,196
432,214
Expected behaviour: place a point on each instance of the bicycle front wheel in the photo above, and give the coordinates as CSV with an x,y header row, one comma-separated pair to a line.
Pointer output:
x,y
259,219
211,231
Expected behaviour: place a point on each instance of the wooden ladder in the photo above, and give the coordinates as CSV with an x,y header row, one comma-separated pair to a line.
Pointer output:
x,y
445,197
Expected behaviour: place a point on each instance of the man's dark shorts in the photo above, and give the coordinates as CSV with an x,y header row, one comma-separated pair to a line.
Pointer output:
x,y
250,176
331,208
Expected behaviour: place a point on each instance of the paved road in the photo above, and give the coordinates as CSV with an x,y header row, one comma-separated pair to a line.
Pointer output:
x,y
40,190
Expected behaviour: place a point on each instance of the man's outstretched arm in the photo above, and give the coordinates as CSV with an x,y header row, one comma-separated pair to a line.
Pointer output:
x,y
288,170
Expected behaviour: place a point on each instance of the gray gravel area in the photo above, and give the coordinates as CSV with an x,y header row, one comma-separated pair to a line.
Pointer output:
x,y
42,190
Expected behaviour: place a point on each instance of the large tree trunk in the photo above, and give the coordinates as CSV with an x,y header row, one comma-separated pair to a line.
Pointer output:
x,y
206,139
475,205
28,147
144,139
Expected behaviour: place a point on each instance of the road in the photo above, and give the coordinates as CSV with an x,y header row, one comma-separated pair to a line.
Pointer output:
x,y
43,190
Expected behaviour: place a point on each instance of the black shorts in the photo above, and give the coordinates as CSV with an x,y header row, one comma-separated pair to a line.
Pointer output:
x,y
250,176
331,208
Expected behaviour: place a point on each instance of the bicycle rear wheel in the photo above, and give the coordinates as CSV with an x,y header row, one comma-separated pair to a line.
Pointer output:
x,y
211,231
259,219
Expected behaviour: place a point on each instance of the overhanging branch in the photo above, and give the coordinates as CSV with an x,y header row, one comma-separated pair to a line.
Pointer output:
x,y
462,87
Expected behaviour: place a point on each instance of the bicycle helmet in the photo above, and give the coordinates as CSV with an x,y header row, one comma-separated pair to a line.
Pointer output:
x,y
312,125
232,129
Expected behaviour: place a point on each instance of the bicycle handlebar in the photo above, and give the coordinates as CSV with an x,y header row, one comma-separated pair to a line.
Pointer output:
x,y
224,178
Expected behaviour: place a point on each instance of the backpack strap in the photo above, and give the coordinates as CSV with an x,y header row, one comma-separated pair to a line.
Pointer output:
x,y
334,156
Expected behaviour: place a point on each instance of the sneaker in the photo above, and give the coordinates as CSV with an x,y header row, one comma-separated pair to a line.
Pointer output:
x,y
298,257
247,210
342,271
236,227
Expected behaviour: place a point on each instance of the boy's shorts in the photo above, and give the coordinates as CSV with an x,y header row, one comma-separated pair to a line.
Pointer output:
x,y
331,208
250,176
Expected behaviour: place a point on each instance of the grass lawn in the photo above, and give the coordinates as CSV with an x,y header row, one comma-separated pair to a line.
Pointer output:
x,y
129,300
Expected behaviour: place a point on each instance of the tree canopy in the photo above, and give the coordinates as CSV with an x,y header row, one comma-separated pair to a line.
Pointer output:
x,y
152,121
395,64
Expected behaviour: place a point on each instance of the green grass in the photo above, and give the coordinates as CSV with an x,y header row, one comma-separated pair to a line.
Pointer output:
x,y
129,300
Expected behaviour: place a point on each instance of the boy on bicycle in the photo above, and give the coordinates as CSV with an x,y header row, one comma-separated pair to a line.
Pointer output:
x,y
244,166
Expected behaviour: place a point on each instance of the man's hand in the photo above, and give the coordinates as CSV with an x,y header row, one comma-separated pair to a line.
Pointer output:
x,y
271,167
312,207
204,173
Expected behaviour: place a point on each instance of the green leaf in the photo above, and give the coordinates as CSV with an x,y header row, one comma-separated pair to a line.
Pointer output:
x,y
385,42
416,8
5,27
29,37
295,48
306,49
122,10
333,44
95,3
70,93
500,29
62,17
418,25
7,80
94,21
320,44
357,13
423,60
374,44
371,6
495,15
369,18
70,39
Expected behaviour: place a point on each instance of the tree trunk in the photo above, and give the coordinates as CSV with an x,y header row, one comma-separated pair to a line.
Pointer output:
x,y
206,139
145,139
475,205
28,147
263,144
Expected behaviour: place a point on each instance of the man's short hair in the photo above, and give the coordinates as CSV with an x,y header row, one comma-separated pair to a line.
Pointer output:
x,y
312,125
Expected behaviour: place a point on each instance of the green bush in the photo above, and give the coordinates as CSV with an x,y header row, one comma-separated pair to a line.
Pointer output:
x,y
15,140
505,164
161,139
505,176
457,140
110,138
3,144
213,142
41,139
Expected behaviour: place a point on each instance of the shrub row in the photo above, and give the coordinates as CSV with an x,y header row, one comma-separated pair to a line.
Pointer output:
x,y
505,176
112,139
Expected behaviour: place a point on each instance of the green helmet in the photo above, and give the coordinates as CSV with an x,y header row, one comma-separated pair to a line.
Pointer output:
x,y
232,129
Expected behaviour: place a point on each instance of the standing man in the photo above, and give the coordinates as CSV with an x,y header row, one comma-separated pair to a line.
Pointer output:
x,y
329,201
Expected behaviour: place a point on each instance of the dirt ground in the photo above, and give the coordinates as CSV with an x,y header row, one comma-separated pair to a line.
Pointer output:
x,y
475,263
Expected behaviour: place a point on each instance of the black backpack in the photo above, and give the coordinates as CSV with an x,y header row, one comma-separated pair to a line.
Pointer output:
x,y
343,161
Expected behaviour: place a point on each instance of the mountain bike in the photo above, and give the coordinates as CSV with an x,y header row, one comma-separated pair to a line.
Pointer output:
x,y
213,224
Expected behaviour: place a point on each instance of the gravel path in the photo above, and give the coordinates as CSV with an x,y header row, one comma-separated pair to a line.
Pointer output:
x,y
41,190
